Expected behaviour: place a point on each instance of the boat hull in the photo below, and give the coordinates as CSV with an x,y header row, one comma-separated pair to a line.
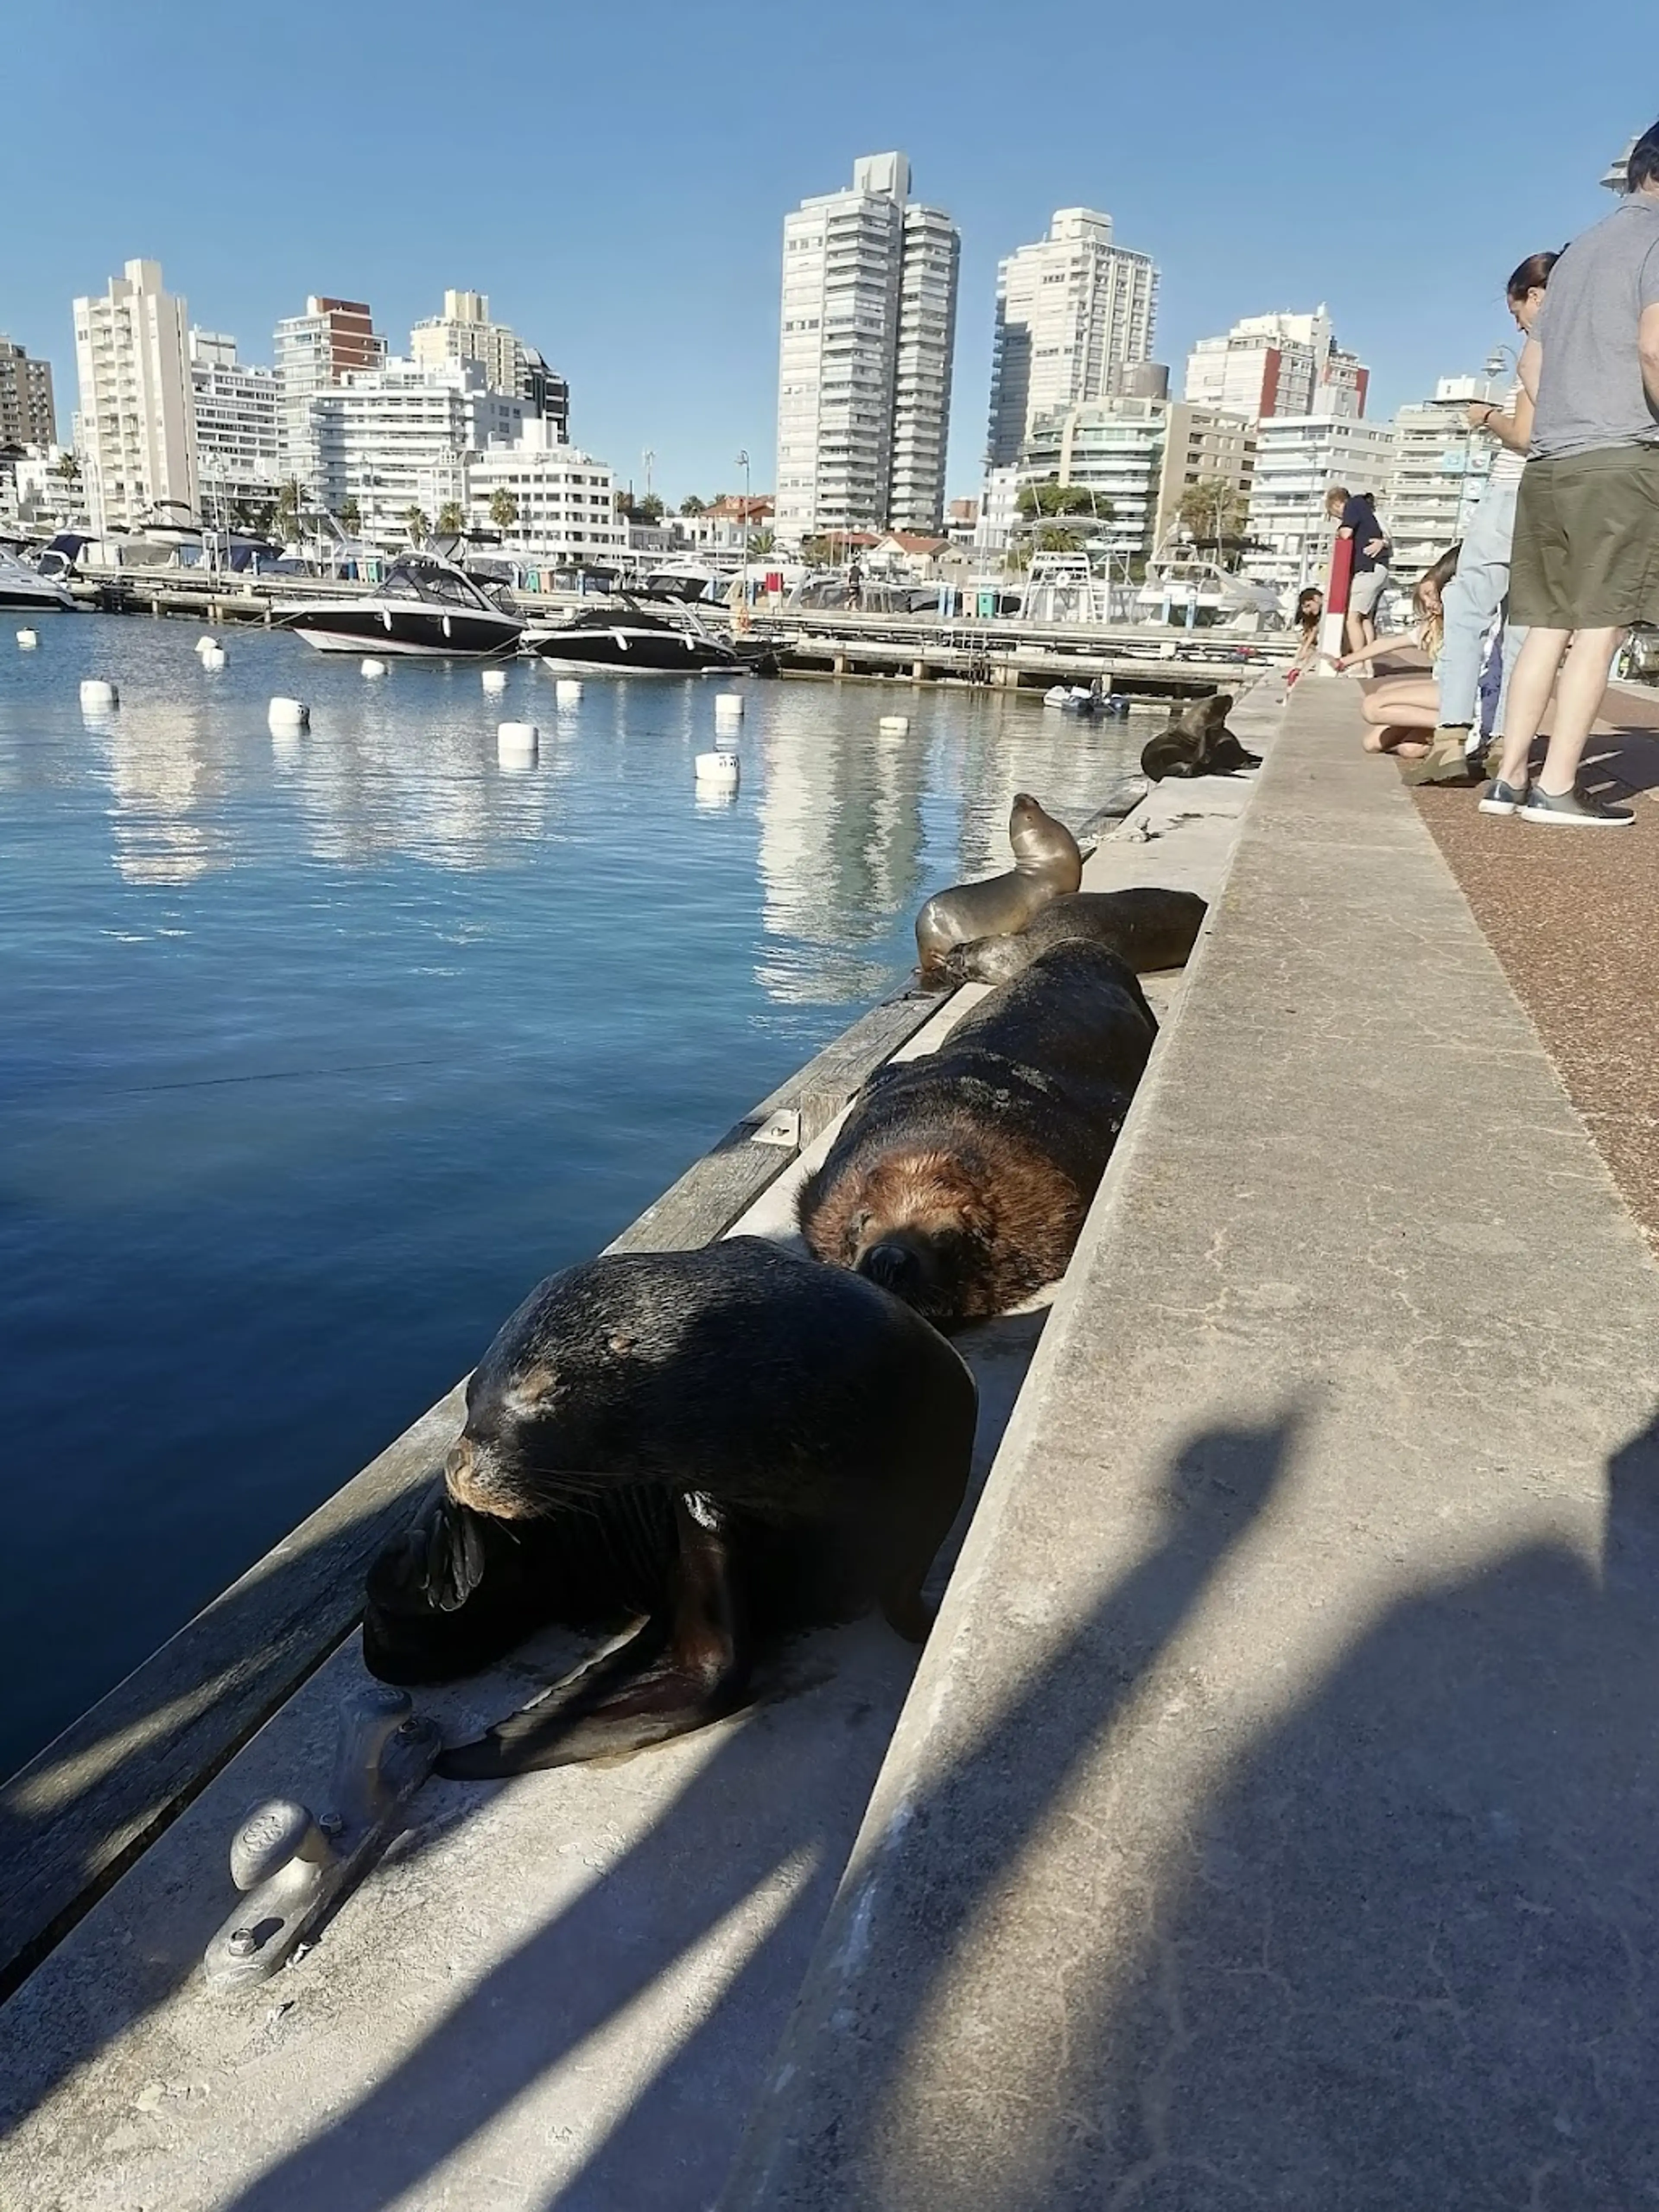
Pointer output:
x,y
413,632
623,652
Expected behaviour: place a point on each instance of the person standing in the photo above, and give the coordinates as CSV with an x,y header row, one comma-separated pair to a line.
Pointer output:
x,y
1585,563
1477,593
1356,518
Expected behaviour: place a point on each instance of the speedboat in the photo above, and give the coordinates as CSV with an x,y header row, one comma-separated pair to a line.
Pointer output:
x,y
24,590
629,640
425,609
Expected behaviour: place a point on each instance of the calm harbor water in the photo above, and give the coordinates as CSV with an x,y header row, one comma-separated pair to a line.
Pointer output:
x,y
315,1052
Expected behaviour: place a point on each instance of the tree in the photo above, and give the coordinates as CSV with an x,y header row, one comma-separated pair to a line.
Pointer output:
x,y
649,509
762,544
1212,512
692,505
452,518
818,553
1052,498
69,468
287,510
503,507
351,517
415,523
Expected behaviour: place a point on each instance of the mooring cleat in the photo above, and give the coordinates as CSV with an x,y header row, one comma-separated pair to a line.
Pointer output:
x,y
294,1865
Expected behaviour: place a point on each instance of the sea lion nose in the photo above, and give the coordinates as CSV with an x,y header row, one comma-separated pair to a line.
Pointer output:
x,y
895,1267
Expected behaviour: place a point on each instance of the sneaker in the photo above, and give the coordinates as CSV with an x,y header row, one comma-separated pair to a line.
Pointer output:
x,y
1575,808
1501,797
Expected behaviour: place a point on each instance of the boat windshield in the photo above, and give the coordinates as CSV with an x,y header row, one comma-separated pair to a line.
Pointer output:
x,y
444,587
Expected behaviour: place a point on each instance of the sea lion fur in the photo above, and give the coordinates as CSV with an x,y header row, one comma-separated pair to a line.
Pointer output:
x,y
1047,863
1197,742
1147,926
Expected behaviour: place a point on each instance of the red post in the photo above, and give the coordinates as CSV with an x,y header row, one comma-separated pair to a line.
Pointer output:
x,y
1336,602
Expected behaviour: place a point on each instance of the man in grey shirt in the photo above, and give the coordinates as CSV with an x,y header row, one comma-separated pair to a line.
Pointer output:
x,y
1585,564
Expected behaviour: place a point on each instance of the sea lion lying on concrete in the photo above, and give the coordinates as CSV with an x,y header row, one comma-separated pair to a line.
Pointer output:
x,y
1197,743
1047,865
723,1444
1147,927
960,1180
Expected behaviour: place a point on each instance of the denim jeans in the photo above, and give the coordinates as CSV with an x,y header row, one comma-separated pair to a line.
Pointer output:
x,y
1468,603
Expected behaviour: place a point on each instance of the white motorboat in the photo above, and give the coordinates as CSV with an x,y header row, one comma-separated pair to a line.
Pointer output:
x,y
422,610
24,590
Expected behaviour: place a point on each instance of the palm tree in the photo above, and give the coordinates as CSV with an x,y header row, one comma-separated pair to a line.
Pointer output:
x,y
69,468
692,505
287,510
351,517
763,541
415,523
452,518
503,507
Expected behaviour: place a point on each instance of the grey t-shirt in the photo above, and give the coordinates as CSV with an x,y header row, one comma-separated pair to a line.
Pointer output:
x,y
1590,393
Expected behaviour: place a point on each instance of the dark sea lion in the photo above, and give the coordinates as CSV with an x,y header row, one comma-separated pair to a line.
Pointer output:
x,y
960,1180
1197,743
1047,865
1147,928
722,1444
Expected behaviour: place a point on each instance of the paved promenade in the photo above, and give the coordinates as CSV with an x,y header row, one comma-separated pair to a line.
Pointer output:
x,y
1271,1823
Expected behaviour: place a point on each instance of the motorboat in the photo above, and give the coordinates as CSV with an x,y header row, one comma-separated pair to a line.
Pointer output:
x,y
626,639
1180,581
421,610
24,590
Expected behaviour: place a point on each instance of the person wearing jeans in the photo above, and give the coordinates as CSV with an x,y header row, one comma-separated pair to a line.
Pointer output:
x,y
1478,591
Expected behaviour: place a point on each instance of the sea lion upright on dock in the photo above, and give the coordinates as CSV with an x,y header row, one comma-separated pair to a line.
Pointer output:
x,y
1147,927
724,1445
1047,865
961,1179
1197,743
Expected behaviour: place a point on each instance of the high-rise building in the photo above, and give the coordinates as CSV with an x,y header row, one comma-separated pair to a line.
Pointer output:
x,y
464,332
1278,364
237,454
1112,448
1074,311
1203,445
1439,473
867,336
27,414
402,436
138,417
563,502
1299,459
333,338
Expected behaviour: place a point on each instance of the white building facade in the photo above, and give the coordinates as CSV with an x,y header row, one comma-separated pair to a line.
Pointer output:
x,y
333,339
1299,459
1278,364
864,356
1113,447
402,436
137,423
238,456
1072,312
464,332
564,502
1440,471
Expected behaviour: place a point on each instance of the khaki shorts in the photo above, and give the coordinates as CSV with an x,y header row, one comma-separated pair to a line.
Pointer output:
x,y
1366,590
1586,550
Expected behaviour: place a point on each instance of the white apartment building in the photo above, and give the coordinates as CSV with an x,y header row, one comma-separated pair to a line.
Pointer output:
x,y
1278,364
565,501
1073,311
464,332
137,419
401,436
1299,460
1202,446
37,495
1439,473
238,457
333,338
1113,447
864,357
28,416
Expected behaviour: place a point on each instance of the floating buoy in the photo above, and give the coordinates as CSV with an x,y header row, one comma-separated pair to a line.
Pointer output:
x,y
721,770
893,725
27,639
98,692
494,679
213,659
568,690
516,744
207,645
728,706
289,714
373,667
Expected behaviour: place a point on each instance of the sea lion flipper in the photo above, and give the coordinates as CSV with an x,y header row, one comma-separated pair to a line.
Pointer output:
x,y
682,1668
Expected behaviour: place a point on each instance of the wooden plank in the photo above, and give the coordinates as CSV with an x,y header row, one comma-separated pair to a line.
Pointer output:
x,y
88,1804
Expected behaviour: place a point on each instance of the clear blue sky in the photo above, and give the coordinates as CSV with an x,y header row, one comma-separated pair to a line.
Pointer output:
x,y
615,177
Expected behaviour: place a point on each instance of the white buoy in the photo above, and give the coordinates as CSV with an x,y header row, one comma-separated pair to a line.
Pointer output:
x,y
516,744
207,645
494,679
728,706
893,725
289,714
568,690
721,770
215,658
28,639
373,667
98,692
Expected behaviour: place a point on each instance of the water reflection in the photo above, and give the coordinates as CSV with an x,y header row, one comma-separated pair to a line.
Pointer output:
x,y
167,780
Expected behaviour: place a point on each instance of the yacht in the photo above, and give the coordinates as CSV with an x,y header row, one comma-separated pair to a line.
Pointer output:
x,y
24,590
425,610
1179,578
631,640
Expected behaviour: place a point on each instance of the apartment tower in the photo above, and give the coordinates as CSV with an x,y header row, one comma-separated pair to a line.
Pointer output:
x,y
867,332
464,332
333,338
1278,364
138,417
28,416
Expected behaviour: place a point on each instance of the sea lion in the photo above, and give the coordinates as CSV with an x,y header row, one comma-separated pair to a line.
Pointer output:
x,y
1147,927
1197,743
724,1445
1047,863
960,1180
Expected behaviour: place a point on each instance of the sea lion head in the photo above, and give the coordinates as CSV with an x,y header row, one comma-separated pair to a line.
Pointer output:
x,y
1042,845
985,960
914,1223
525,1401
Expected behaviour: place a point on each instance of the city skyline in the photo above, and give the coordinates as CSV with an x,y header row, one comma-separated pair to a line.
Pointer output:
x,y
653,285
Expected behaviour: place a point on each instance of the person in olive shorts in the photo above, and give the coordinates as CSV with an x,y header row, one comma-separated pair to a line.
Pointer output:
x,y
1585,563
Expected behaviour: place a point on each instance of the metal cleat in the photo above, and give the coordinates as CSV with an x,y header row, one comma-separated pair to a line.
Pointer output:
x,y
294,1865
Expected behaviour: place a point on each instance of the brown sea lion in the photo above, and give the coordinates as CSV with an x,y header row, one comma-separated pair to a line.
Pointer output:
x,y
960,1180
1147,927
1047,863
724,1445
1197,743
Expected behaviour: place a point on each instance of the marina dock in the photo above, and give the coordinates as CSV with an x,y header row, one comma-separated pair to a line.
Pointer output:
x,y
1267,1819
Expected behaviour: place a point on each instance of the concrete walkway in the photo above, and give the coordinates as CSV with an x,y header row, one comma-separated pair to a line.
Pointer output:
x,y
1273,1820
